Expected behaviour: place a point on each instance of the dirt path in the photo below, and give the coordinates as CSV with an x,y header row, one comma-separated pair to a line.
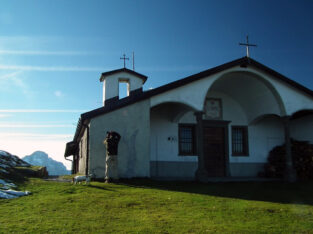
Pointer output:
x,y
58,179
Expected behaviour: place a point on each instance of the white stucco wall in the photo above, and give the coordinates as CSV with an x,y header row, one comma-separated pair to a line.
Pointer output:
x,y
82,154
163,149
192,94
133,124
263,136
110,89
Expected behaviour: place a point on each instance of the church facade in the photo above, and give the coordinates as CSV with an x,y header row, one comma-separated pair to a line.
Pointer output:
x,y
221,122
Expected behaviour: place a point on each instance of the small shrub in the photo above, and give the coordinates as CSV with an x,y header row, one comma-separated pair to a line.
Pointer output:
x,y
302,157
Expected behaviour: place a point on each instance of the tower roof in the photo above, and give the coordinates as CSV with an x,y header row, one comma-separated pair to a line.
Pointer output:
x,y
106,74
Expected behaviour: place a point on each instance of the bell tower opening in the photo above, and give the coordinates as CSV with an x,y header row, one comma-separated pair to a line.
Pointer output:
x,y
123,88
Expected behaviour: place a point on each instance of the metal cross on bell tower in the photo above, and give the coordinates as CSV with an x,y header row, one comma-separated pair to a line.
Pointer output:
x,y
124,58
247,45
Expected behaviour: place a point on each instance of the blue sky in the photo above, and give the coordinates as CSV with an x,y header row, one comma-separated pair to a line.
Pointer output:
x,y
53,52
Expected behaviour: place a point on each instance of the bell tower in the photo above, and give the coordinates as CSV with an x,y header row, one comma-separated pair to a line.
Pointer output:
x,y
112,79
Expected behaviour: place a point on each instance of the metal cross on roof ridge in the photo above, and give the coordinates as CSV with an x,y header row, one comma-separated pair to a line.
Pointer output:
x,y
124,58
247,45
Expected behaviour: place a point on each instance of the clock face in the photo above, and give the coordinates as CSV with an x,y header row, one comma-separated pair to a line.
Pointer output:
x,y
213,108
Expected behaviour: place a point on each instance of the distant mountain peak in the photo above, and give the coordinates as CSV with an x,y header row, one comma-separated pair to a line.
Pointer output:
x,y
40,158
39,153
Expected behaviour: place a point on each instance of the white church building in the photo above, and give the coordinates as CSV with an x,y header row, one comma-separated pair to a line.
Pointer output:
x,y
221,122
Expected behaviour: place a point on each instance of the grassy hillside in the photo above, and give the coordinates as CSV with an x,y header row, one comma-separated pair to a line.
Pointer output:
x,y
159,207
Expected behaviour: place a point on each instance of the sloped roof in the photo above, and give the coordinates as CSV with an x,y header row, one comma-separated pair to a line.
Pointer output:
x,y
243,62
105,74
70,148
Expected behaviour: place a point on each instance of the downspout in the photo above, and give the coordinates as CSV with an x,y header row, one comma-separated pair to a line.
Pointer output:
x,y
157,159
87,154
72,164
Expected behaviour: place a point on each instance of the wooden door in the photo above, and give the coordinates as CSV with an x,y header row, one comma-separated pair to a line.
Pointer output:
x,y
214,151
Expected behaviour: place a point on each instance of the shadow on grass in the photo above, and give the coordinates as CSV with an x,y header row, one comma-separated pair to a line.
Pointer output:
x,y
278,192
101,187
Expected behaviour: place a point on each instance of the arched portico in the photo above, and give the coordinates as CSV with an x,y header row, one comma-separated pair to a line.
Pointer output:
x,y
172,111
255,95
243,107
257,119
262,117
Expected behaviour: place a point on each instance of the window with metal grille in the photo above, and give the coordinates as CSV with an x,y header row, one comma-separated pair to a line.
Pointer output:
x,y
240,141
187,141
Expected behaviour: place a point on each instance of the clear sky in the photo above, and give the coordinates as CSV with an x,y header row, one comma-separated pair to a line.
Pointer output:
x,y
53,52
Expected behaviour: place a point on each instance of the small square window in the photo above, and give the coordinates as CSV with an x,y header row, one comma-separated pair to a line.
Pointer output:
x,y
187,143
240,141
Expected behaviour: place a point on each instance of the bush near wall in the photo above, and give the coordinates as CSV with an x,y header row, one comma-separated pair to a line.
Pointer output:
x,y
302,156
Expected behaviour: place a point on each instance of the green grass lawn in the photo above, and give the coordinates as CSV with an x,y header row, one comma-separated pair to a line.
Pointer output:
x,y
143,206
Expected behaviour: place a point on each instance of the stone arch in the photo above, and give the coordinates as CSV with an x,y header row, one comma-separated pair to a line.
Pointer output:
x,y
261,117
173,111
253,93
